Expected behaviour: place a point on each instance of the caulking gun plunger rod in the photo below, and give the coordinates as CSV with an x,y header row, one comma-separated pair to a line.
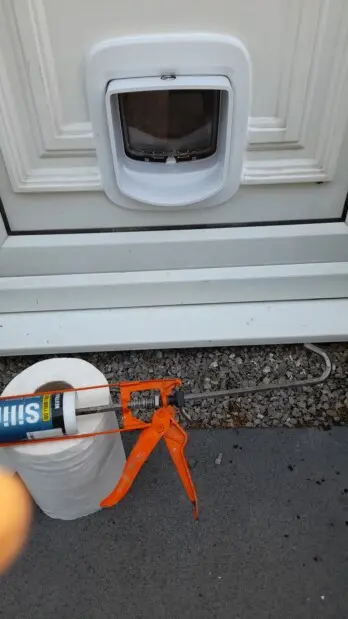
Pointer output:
x,y
179,398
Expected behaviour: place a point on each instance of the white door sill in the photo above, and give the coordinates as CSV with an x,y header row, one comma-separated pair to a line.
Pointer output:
x,y
174,326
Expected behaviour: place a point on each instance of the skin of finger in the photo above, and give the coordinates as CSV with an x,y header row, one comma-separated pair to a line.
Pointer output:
x,y
15,517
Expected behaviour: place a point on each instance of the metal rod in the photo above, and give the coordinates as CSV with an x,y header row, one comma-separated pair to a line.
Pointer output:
x,y
225,393
98,409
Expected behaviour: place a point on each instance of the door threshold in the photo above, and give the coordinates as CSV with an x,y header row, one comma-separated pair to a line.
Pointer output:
x,y
230,324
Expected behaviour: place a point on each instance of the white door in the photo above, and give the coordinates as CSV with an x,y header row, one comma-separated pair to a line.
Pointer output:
x,y
298,116
254,268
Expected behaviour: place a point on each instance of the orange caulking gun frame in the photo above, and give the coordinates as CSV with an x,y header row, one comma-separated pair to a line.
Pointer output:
x,y
163,424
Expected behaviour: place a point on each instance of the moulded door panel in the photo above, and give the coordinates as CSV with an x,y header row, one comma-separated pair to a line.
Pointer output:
x,y
50,179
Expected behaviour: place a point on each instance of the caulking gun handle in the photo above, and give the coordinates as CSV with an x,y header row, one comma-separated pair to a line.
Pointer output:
x,y
145,444
176,438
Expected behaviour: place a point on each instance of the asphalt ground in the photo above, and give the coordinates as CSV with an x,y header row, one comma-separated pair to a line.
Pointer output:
x,y
270,542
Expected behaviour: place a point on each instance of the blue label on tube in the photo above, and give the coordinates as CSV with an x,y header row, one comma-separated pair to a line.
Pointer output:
x,y
20,417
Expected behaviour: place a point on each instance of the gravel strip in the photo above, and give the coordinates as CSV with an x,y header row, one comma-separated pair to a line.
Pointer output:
x,y
223,368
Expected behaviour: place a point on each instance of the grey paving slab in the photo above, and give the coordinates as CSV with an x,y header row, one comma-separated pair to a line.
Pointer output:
x,y
271,541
